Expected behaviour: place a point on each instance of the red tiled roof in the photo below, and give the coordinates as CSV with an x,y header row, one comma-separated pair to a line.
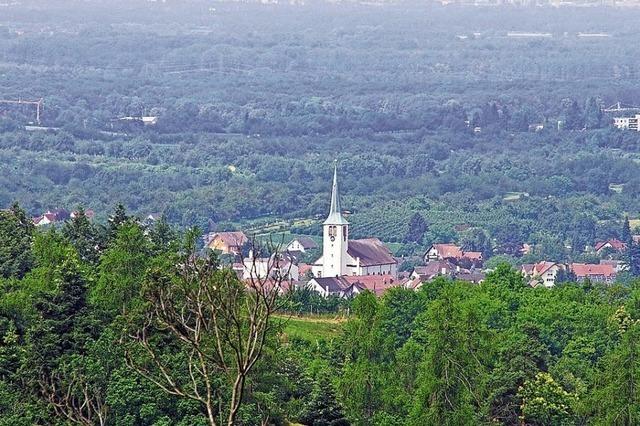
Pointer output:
x,y
231,239
472,255
306,242
434,268
582,270
377,284
614,243
448,250
527,268
303,268
542,267
452,251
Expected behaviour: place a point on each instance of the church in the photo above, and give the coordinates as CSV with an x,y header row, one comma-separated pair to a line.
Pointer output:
x,y
341,256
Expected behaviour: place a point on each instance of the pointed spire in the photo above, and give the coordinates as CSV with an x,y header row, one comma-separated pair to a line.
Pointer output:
x,y
335,214
335,196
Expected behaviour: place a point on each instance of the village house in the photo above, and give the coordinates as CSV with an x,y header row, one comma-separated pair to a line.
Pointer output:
x,y
434,269
617,265
301,245
442,268
611,245
57,215
273,267
598,273
226,242
452,253
46,219
542,273
350,286
342,256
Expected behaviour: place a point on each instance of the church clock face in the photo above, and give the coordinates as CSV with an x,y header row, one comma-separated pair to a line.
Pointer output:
x,y
333,238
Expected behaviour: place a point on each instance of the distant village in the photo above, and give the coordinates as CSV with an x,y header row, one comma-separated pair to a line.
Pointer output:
x,y
344,267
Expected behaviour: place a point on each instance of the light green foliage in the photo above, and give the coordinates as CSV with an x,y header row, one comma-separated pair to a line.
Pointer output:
x,y
122,268
545,402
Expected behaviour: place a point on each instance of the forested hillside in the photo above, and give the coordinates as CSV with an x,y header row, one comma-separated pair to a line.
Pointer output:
x,y
429,109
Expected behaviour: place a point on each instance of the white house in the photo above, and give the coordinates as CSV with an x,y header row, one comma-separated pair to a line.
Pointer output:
x,y
341,256
542,273
275,267
301,244
453,253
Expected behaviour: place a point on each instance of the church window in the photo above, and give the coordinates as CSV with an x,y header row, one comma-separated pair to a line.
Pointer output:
x,y
344,233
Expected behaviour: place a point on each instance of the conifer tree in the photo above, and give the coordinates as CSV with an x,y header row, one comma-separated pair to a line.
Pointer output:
x,y
16,236
324,410
116,220
161,234
84,236
417,228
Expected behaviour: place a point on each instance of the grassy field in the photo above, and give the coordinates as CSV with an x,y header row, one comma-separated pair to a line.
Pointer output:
x,y
312,328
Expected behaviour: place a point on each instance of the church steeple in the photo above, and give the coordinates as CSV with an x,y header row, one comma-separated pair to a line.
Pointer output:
x,y
335,236
335,215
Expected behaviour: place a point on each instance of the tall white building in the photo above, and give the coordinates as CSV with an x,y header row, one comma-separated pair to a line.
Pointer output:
x,y
341,256
627,123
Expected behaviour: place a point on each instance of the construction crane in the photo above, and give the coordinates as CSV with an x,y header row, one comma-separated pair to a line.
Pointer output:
x,y
620,107
39,104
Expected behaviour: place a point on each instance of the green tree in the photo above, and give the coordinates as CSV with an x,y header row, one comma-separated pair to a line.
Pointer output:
x,y
521,355
118,218
16,236
57,366
593,113
545,402
201,331
323,409
121,270
161,235
361,382
616,399
86,237
458,346
417,228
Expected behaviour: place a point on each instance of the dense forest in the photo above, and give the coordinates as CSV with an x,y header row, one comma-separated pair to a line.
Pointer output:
x,y
124,324
431,110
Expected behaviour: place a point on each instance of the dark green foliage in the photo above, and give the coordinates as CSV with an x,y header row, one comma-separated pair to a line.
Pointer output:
x,y
417,228
451,353
118,218
16,233
323,409
161,235
87,238
122,268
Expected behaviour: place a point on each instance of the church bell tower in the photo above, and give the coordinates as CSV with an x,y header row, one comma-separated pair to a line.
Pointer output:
x,y
335,237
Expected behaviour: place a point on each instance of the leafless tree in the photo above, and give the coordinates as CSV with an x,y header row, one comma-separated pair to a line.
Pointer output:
x,y
74,399
217,322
